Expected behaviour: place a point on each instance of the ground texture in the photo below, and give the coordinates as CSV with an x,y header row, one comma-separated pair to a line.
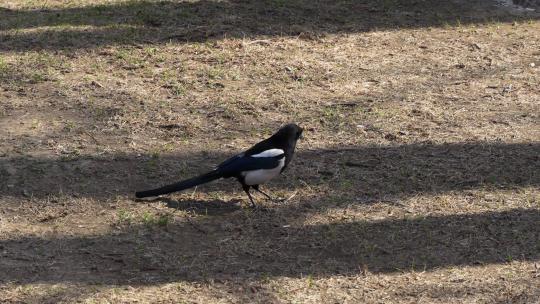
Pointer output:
x,y
417,180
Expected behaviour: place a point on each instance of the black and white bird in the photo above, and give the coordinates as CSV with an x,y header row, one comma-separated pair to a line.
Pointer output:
x,y
254,167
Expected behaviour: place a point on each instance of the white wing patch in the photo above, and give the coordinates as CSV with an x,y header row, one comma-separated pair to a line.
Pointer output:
x,y
269,153
261,176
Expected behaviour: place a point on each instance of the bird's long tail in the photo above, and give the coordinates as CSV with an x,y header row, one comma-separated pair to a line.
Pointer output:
x,y
188,183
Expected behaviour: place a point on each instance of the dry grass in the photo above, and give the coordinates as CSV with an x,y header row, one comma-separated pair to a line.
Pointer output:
x,y
417,181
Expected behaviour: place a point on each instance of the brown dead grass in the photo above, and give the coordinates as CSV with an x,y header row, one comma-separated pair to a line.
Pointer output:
x,y
417,180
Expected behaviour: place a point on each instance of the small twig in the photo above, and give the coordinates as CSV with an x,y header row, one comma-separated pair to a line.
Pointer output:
x,y
290,197
260,41
193,194
96,83
215,112
170,126
344,104
351,164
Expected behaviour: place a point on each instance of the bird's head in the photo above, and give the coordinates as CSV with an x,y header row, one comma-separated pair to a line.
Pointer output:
x,y
290,131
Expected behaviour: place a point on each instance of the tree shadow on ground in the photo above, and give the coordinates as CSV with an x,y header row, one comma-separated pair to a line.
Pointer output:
x,y
160,22
243,246
200,207
373,172
249,245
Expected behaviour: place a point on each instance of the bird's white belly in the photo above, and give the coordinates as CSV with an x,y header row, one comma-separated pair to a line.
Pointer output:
x,y
261,176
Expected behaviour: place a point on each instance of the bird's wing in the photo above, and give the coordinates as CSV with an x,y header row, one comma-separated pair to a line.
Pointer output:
x,y
240,163
230,160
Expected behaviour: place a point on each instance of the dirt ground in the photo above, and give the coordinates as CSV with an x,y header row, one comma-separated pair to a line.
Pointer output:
x,y
417,180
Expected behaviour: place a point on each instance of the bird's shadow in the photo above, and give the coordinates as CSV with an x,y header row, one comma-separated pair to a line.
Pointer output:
x,y
200,207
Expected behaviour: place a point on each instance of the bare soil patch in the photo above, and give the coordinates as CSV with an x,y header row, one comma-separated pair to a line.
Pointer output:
x,y
417,181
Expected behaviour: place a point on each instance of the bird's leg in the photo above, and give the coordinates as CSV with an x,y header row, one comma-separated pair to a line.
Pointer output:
x,y
246,189
256,187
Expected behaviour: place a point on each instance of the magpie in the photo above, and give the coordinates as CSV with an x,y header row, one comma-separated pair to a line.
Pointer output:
x,y
255,166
